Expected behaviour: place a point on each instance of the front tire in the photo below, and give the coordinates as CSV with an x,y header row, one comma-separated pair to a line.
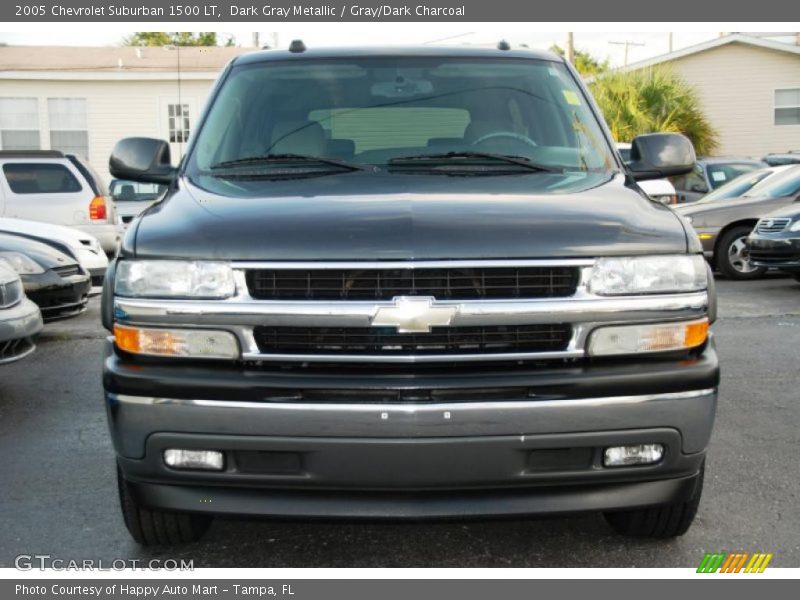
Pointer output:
x,y
732,257
157,527
660,522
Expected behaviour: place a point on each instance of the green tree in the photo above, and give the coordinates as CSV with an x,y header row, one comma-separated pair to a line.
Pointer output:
x,y
173,38
653,100
585,63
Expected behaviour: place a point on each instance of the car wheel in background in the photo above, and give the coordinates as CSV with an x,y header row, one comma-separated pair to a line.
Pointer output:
x,y
732,256
158,527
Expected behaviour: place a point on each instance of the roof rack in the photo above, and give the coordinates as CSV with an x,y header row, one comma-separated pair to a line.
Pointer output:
x,y
31,154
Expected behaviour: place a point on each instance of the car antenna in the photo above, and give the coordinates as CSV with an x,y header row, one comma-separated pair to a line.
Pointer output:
x,y
297,46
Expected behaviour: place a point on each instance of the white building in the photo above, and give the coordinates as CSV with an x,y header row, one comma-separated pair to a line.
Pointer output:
x,y
84,99
749,87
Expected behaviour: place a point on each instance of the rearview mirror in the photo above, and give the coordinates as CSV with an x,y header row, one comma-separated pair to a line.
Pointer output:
x,y
657,155
142,159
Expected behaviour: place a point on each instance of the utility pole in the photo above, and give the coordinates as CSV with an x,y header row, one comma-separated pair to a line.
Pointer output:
x,y
570,49
627,44
256,43
669,40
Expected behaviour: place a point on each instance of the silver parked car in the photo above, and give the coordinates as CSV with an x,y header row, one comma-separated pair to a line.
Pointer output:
x,y
723,226
20,319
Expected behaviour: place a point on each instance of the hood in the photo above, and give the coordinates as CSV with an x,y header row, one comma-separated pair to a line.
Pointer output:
x,y
48,256
725,211
366,216
792,211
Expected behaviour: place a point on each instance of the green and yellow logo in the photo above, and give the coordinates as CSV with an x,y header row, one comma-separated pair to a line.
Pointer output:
x,y
735,562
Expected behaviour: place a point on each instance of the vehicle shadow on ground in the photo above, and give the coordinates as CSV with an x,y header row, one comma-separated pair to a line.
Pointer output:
x,y
486,543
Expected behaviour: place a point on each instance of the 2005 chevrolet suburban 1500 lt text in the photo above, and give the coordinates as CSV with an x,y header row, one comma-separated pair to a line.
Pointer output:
x,y
407,283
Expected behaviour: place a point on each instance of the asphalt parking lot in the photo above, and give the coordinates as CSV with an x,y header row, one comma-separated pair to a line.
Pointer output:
x,y
58,489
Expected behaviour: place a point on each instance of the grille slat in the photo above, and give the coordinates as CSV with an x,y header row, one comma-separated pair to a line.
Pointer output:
x,y
67,271
441,340
385,284
772,225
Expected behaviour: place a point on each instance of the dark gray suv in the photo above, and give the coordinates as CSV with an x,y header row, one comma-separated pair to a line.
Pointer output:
x,y
407,283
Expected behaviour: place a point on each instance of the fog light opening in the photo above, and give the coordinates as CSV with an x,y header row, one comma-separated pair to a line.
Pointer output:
x,y
207,460
638,454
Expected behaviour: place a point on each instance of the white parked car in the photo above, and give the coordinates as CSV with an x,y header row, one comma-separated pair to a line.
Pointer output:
x,y
82,246
132,197
660,190
52,187
20,319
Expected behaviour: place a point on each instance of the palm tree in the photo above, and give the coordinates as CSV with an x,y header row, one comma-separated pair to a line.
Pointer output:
x,y
653,100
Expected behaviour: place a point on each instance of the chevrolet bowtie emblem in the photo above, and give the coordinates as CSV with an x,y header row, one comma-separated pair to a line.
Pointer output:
x,y
414,314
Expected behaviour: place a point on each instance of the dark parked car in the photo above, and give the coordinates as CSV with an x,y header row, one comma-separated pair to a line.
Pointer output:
x,y
723,227
414,283
54,280
775,241
709,174
736,188
789,158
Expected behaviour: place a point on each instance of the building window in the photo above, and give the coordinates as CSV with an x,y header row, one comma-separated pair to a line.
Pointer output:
x,y
178,123
787,107
69,130
19,124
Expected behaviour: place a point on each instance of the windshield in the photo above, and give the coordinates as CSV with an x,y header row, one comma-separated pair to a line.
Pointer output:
x,y
737,187
721,173
781,185
374,111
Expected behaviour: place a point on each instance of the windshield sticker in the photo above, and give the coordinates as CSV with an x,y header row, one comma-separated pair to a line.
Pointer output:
x,y
718,176
571,97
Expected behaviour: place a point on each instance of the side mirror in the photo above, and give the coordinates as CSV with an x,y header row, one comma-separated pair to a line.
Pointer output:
x,y
657,155
142,159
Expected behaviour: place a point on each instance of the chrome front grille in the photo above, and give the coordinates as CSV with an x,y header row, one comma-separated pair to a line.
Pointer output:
x,y
774,225
68,270
443,283
412,329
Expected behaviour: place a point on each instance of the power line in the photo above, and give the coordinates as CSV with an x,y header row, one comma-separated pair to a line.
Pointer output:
x,y
627,44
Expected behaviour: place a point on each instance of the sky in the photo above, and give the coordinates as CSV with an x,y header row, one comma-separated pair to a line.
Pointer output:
x,y
651,39
598,44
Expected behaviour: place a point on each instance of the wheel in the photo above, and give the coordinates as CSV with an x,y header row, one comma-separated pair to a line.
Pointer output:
x,y
670,520
732,256
157,527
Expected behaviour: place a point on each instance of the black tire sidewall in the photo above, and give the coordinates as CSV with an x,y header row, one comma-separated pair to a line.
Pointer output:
x,y
722,261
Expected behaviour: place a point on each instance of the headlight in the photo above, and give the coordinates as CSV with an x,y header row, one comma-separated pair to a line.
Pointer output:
x,y
795,226
21,263
174,279
648,275
656,337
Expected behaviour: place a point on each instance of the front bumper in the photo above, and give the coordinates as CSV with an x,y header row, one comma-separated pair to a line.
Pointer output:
x,y
58,297
779,251
108,234
18,324
326,459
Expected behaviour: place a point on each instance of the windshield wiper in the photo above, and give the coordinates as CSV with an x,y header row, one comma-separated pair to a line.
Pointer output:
x,y
268,159
460,157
